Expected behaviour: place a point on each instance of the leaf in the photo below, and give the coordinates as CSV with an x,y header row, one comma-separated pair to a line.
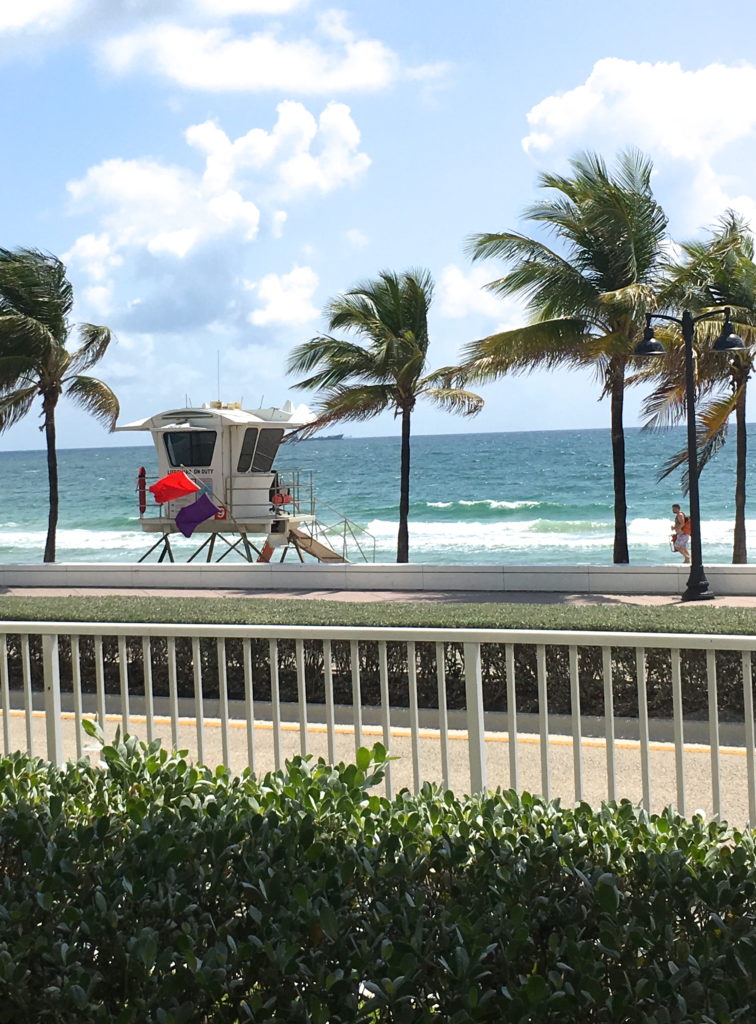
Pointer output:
x,y
607,894
535,990
91,728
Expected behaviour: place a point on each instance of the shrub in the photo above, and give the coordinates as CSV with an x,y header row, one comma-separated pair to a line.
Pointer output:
x,y
155,890
695,691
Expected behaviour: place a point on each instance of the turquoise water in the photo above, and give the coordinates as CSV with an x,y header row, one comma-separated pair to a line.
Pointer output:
x,y
536,497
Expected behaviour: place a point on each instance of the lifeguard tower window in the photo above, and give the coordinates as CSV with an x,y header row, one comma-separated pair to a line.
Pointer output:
x,y
247,449
190,447
258,450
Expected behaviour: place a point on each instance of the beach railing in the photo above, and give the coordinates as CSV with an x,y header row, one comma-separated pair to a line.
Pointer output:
x,y
252,696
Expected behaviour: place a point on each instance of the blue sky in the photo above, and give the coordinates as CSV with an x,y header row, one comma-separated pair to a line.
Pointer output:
x,y
213,171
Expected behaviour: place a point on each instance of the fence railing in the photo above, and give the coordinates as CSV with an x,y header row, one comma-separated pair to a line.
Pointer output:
x,y
550,712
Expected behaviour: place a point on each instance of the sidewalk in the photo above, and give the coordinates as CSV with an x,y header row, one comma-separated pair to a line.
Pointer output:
x,y
422,596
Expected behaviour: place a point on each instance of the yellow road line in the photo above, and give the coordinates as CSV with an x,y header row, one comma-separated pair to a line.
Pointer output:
x,y
400,732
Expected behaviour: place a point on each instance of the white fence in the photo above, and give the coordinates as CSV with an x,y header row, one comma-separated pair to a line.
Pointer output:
x,y
110,672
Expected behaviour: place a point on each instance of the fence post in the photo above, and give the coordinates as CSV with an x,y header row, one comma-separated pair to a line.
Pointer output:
x,y
476,739
51,678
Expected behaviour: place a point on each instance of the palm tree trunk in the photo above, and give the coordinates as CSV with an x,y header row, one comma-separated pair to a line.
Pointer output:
x,y
739,551
617,393
48,406
402,544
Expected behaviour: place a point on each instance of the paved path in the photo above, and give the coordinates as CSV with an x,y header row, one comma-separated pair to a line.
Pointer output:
x,y
239,740
361,596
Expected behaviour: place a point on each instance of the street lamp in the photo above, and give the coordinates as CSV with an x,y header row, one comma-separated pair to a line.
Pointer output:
x,y
728,341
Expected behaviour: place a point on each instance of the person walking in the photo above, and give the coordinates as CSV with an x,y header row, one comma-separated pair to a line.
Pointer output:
x,y
681,533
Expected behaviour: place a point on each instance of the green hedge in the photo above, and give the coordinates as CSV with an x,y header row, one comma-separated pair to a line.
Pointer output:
x,y
695,692
158,891
291,612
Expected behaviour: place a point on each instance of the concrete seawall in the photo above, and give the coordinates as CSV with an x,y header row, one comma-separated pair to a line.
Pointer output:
x,y
725,580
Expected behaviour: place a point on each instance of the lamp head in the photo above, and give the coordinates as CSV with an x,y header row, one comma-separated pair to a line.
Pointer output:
x,y
728,340
648,345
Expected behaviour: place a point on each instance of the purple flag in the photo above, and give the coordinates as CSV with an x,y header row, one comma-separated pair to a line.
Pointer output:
x,y
190,516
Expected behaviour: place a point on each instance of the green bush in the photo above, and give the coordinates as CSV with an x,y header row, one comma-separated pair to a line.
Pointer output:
x,y
155,890
624,618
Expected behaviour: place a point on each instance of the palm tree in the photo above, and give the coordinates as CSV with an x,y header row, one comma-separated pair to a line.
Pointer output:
x,y
717,272
384,367
587,297
36,299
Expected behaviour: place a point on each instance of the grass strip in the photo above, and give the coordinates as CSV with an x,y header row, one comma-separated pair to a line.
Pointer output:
x,y
290,611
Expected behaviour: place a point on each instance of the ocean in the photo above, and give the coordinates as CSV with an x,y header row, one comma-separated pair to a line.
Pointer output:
x,y
526,498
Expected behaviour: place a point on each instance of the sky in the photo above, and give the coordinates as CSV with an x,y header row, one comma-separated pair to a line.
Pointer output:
x,y
212,172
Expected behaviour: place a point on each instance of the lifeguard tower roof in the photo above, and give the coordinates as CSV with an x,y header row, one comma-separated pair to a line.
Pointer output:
x,y
231,415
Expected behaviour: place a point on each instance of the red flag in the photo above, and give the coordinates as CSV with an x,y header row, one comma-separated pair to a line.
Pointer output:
x,y
175,485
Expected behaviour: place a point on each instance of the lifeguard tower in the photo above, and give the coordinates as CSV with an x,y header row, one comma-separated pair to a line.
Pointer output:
x,y
229,452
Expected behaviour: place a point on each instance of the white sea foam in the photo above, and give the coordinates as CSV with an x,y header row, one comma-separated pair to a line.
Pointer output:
x,y
491,503
456,540
78,540
713,531
534,534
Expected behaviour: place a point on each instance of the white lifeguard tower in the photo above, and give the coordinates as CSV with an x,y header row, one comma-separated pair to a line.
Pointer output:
x,y
229,452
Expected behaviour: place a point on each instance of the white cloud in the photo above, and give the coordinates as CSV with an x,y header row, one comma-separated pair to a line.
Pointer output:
x,y
277,223
686,115
356,238
287,298
337,160
93,254
686,120
38,15
169,211
99,297
43,16
214,45
217,59
308,154
463,294
219,8
162,208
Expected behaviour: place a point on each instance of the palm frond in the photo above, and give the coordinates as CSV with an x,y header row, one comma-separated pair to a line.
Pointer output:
x,y
34,284
350,403
636,298
711,434
21,334
542,345
538,272
95,397
15,405
706,449
15,373
665,406
713,416
95,342
335,360
457,400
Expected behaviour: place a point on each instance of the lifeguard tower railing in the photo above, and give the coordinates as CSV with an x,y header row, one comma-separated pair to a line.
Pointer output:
x,y
320,520
328,526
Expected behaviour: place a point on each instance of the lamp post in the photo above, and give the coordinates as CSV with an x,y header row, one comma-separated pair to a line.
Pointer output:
x,y
697,588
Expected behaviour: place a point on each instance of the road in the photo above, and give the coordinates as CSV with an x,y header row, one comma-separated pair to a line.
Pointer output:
x,y
697,770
